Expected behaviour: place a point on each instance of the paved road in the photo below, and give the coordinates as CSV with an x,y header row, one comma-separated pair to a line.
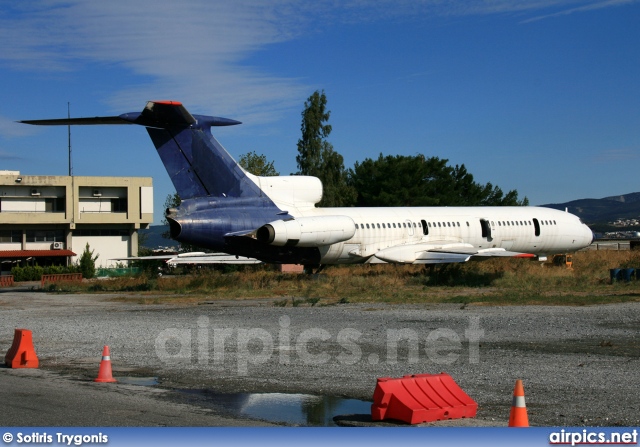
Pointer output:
x,y
580,365
35,397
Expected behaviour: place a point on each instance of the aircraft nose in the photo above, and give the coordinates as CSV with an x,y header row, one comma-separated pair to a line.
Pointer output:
x,y
590,235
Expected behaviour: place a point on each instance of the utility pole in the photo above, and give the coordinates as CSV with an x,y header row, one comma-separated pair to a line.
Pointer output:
x,y
69,137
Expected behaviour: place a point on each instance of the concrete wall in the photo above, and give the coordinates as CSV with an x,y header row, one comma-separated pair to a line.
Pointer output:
x,y
41,202
105,247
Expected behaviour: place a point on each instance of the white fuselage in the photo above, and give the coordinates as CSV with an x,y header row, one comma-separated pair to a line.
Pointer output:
x,y
534,230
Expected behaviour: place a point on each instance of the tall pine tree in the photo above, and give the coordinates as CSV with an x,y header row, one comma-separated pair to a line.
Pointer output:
x,y
316,156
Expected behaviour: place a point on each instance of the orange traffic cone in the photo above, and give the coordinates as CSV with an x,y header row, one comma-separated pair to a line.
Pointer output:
x,y
104,374
518,416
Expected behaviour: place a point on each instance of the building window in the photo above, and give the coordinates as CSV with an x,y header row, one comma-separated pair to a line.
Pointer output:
x,y
10,236
45,235
100,232
119,205
54,205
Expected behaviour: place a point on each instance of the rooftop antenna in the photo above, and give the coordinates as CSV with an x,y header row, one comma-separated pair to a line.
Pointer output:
x,y
69,137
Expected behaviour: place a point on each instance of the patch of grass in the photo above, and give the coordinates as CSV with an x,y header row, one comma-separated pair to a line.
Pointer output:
x,y
280,303
495,281
312,301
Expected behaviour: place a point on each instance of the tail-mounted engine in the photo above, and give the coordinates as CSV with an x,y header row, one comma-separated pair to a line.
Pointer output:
x,y
307,231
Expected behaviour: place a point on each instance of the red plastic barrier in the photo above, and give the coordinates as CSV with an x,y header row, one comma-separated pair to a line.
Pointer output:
x,y
421,398
21,354
60,277
6,280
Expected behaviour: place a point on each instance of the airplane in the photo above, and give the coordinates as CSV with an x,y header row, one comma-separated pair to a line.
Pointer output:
x,y
275,220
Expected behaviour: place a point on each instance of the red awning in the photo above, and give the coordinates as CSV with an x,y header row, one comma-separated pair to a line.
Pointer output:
x,y
35,253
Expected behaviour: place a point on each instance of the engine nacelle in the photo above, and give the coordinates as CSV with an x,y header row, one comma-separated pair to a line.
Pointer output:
x,y
296,191
307,231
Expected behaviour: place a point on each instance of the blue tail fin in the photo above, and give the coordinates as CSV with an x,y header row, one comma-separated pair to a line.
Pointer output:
x,y
196,162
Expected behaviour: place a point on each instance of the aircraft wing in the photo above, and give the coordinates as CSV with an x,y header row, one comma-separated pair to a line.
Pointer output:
x,y
500,252
441,253
195,258
213,258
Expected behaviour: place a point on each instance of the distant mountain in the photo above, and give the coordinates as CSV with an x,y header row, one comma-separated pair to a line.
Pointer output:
x,y
152,237
608,209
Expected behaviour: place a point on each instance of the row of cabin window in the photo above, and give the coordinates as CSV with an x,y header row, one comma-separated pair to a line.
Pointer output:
x,y
445,224
388,225
450,224
404,225
523,222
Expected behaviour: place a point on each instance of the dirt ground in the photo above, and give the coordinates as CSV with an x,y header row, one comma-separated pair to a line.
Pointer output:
x,y
580,365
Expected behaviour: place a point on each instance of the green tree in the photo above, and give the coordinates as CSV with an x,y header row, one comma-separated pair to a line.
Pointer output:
x,y
420,181
87,263
257,164
316,156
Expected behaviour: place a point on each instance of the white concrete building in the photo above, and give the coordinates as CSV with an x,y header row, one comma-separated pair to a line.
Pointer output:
x,y
48,220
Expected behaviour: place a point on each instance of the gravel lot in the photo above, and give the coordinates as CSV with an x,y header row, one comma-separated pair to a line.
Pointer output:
x,y
580,365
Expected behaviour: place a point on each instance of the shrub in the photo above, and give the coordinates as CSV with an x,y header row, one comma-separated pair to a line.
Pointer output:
x,y
87,263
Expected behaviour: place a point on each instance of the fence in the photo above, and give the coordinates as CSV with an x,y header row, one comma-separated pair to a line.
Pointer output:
x,y
67,277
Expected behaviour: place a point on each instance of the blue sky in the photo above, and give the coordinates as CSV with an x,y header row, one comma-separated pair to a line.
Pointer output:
x,y
539,96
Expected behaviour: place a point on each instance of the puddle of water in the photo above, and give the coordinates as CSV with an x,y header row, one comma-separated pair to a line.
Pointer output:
x,y
142,381
295,409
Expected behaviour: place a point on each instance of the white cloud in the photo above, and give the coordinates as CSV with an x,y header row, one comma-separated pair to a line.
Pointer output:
x,y
9,128
192,51
4,155
616,155
196,50
590,6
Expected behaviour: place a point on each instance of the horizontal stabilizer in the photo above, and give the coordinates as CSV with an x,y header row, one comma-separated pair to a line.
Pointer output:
x,y
78,121
161,114
165,114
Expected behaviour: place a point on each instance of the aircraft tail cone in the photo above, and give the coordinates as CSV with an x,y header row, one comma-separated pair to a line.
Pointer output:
x,y
104,374
518,416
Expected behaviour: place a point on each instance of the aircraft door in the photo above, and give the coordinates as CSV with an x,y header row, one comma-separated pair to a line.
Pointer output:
x,y
425,227
410,229
536,226
485,225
